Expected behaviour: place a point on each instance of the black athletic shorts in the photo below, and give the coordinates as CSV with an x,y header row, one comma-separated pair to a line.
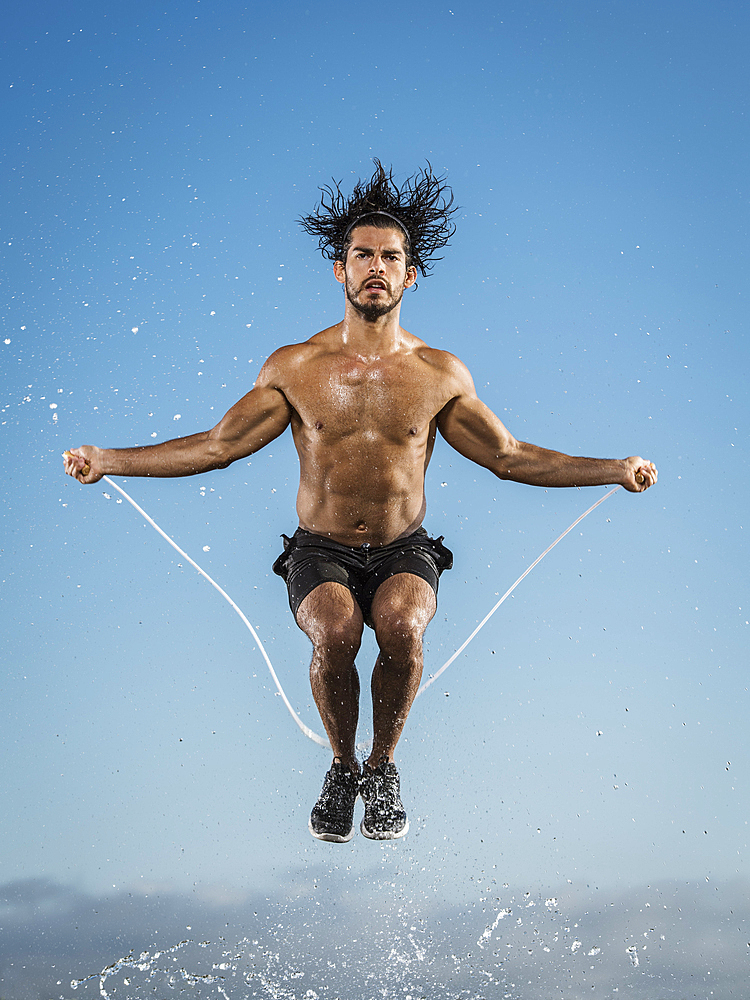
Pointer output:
x,y
309,560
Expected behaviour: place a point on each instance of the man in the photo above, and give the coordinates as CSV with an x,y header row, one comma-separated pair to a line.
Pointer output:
x,y
365,400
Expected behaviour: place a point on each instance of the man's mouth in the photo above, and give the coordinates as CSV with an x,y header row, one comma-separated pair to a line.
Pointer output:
x,y
376,285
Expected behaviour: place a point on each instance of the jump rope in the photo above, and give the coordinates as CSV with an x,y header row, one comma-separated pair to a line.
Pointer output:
x,y
321,741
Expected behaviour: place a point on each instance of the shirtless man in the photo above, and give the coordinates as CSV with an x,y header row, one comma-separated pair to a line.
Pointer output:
x,y
364,400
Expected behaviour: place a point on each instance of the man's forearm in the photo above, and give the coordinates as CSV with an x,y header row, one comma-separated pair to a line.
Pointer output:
x,y
186,456
259,417
541,467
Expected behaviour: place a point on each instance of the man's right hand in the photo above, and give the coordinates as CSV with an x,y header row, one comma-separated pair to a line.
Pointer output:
x,y
81,463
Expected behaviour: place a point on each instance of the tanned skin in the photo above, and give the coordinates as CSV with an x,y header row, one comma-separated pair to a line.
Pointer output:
x,y
364,399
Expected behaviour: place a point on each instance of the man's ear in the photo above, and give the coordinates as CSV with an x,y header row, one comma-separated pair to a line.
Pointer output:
x,y
339,272
411,277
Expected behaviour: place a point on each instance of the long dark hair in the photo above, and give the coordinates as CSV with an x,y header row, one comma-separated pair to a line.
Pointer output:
x,y
421,207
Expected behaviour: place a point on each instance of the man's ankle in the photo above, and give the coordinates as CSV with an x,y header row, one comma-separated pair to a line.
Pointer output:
x,y
352,764
374,762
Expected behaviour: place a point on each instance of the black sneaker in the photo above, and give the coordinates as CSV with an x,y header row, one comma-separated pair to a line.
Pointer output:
x,y
333,813
385,818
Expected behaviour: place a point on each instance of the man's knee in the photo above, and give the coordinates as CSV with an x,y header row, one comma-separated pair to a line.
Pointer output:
x,y
331,619
401,625
401,615
403,608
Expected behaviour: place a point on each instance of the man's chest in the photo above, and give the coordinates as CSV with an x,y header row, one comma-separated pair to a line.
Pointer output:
x,y
346,397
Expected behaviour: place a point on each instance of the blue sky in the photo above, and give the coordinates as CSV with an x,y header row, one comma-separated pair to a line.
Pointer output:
x,y
593,736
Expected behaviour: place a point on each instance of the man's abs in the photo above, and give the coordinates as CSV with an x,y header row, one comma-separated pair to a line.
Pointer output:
x,y
365,508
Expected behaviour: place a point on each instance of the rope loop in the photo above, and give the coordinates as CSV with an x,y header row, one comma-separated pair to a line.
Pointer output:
x,y
320,740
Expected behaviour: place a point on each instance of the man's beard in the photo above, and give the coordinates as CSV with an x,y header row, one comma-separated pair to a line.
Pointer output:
x,y
376,308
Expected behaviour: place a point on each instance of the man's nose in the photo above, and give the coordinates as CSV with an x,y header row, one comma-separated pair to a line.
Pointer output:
x,y
377,265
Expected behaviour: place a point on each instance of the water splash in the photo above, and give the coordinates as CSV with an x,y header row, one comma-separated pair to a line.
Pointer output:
x,y
148,964
386,941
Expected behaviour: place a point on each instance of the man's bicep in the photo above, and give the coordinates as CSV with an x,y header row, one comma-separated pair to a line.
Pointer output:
x,y
469,426
253,422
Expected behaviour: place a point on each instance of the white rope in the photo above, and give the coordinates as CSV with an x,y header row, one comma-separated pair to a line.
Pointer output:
x,y
431,680
305,729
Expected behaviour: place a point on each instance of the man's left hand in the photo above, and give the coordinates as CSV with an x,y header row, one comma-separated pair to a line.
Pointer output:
x,y
639,475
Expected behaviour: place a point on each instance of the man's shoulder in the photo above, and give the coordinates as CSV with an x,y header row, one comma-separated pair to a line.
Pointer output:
x,y
317,344
443,362
290,357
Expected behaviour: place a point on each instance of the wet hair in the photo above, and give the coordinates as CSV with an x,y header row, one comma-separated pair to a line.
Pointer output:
x,y
421,207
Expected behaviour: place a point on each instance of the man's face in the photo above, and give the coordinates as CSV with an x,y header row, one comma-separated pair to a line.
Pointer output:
x,y
375,274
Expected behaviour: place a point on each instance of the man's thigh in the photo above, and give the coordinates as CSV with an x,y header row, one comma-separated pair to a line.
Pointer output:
x,y
414,558
310,562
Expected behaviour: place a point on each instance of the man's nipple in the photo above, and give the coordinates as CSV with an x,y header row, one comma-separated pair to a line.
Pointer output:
x,y
318,425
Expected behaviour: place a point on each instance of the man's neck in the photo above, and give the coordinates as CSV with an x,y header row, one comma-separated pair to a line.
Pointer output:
x,y
371,337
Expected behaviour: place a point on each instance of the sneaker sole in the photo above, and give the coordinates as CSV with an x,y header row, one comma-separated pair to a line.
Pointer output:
x,y
385,835
331,838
